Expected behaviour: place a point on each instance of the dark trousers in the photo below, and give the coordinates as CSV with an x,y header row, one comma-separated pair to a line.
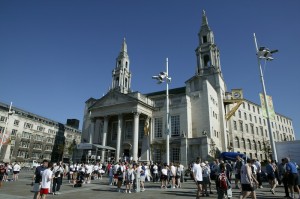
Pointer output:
x,y
286,187
56,184
155,177
258,177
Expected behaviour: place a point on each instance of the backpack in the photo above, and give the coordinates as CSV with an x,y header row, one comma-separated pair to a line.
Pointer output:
x,y
119,171
178,172
222,181
56,174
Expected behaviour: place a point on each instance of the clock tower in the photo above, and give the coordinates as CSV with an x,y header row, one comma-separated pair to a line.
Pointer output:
x,y
121,76
208,54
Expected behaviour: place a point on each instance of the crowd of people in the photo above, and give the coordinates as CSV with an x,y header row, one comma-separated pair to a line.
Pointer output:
x,y
131,176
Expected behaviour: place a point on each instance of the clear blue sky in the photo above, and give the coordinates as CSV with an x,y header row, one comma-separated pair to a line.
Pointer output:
x,y
54,55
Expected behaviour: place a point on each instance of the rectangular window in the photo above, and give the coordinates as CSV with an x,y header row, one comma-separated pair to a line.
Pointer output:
x,y
128,130
114,133
252,129
245,116
234,125
175,154
255,120
26,135
250,117
16,122
157,155
3,119
175,125
14,132
241,127
256,130
240,114
261,131
40,128
158,127
28,125
247,129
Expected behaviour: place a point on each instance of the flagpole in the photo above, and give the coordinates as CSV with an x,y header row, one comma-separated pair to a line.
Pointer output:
x,y
5,128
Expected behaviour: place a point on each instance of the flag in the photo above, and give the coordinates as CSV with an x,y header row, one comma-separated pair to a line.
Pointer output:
x,y
270,106
4,139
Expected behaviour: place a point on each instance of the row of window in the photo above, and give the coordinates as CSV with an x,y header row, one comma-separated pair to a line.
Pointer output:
x,y
175,126
255,108
25,155
174,156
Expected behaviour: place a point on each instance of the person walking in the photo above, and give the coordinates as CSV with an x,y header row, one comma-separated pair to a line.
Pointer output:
x,y
129,177
197,175
47,175
247,181
38,178
16,171
283,177
57,178
292,176
270,169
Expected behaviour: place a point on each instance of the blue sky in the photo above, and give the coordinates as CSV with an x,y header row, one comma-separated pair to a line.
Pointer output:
x,y
54,55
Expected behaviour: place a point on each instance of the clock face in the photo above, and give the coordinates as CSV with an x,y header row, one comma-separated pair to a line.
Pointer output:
x,y
236,95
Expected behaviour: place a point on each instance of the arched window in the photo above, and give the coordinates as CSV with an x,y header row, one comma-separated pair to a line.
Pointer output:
x,y
249,144
243,143
254,145
259,145
126,82
237,142
206,60
126,64
117,81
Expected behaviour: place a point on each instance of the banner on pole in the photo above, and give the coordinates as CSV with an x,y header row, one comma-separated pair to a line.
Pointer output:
x,y
270,106
4,139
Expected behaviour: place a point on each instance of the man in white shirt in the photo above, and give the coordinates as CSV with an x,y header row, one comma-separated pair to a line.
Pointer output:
x,y
173,174
46,181
16,171
197,175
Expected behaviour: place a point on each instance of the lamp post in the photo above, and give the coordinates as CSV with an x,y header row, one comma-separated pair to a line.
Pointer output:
x,y
5,128
266,54
164,77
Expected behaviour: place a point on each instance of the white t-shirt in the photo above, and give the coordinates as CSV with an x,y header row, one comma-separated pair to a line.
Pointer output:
x,y
197,170
46,179
17,167
155,169
96,168
173,170
164,171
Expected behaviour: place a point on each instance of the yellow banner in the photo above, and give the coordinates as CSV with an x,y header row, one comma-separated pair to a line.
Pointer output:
x,y
270,106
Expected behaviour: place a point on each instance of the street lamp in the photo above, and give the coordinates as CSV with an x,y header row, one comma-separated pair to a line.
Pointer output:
x,y
164,77
266,54
10,112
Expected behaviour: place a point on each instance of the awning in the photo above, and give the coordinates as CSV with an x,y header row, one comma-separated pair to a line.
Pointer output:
x,y
94,146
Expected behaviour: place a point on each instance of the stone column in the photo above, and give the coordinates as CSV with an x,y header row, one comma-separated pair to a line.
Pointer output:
x,y
104,138
119,137
92,130
135,137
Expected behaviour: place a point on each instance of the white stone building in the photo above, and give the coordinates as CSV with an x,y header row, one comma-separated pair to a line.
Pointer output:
x,y
197,114
32,137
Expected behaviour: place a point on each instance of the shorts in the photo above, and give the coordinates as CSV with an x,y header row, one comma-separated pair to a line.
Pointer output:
x,y
271,176
44,191
247,187
142,178
16,172
199,182
36,187
87,175
293,179
205,180
163,177
96,172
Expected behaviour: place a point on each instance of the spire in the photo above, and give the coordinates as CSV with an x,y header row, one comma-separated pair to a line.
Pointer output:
x,y
204,19
124,46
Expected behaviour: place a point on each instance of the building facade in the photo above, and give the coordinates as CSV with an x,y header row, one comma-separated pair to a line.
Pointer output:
x,y
31,137
135,123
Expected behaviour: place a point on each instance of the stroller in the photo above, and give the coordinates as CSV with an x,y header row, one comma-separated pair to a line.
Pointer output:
x,y
79,180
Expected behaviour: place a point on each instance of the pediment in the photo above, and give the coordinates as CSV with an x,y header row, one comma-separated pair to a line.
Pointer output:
x,y
113,98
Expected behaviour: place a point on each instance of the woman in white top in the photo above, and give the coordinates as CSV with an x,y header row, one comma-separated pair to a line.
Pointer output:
x,y
164,177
